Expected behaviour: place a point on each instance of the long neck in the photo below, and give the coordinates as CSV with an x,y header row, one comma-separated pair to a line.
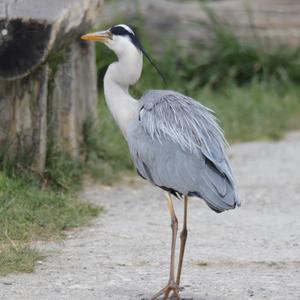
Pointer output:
x,y
119,76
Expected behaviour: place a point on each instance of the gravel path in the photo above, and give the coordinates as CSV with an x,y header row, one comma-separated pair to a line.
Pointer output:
x,y
249,253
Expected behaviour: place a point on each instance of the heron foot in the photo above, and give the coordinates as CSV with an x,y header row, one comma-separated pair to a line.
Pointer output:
x,y
170,287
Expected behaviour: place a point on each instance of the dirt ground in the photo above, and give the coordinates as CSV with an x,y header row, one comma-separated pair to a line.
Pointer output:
x,y
249,253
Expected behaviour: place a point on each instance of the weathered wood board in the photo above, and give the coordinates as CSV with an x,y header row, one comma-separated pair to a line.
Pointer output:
x,y
47,76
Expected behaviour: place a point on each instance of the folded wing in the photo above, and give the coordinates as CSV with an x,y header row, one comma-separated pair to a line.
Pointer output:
x,y
177,145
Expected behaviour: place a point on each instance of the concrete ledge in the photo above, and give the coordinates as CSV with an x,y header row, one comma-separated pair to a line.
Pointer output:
x,y
30,29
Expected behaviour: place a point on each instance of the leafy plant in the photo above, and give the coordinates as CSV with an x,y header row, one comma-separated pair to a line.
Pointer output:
x,y
230,58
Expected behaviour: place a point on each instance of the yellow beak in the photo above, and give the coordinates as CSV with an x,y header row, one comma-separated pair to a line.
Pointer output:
x,y
100,36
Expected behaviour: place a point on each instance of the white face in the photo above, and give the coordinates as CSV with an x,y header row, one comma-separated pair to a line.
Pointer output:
x,y
121,40
121,45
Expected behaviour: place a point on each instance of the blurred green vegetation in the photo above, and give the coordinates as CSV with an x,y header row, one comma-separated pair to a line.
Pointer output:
x,y
107,157
242,61
253,86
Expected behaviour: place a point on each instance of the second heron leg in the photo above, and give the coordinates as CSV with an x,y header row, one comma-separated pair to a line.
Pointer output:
x,y
171,286
183,238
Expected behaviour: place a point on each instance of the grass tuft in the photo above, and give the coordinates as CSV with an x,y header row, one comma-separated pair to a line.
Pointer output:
x,y
62,171
18,259
29,213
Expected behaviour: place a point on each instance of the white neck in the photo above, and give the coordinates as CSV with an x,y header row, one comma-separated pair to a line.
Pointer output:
x,y
119,76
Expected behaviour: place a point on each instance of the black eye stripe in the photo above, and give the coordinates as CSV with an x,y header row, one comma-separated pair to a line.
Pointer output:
x,y
119,30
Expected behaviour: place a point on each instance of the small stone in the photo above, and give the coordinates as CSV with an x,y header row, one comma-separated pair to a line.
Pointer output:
x,y
4,31
126,236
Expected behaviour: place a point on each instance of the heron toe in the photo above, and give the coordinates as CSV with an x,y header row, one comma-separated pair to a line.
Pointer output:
x,y
170,287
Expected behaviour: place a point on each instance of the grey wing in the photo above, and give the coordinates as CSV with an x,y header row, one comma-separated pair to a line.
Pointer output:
x,y
177,145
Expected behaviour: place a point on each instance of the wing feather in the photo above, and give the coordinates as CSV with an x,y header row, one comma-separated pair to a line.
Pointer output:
x,y
177,144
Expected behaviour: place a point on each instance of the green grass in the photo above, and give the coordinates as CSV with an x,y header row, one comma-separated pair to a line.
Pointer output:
x,y
61,171
18,259
36,206
29,213
254,112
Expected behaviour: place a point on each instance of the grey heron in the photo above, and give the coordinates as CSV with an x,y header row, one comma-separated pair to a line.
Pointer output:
x,y
174,141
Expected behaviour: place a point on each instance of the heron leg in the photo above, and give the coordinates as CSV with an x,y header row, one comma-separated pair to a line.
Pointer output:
x,y
171,286
183,237
174,226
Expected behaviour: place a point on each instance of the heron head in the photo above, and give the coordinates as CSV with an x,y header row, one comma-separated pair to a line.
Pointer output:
x,y
119,38
123,41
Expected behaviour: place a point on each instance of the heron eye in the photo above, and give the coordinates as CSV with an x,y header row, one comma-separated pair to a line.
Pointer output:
x,y
110,35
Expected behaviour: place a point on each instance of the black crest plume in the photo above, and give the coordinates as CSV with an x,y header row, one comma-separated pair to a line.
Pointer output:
x,y
120,30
